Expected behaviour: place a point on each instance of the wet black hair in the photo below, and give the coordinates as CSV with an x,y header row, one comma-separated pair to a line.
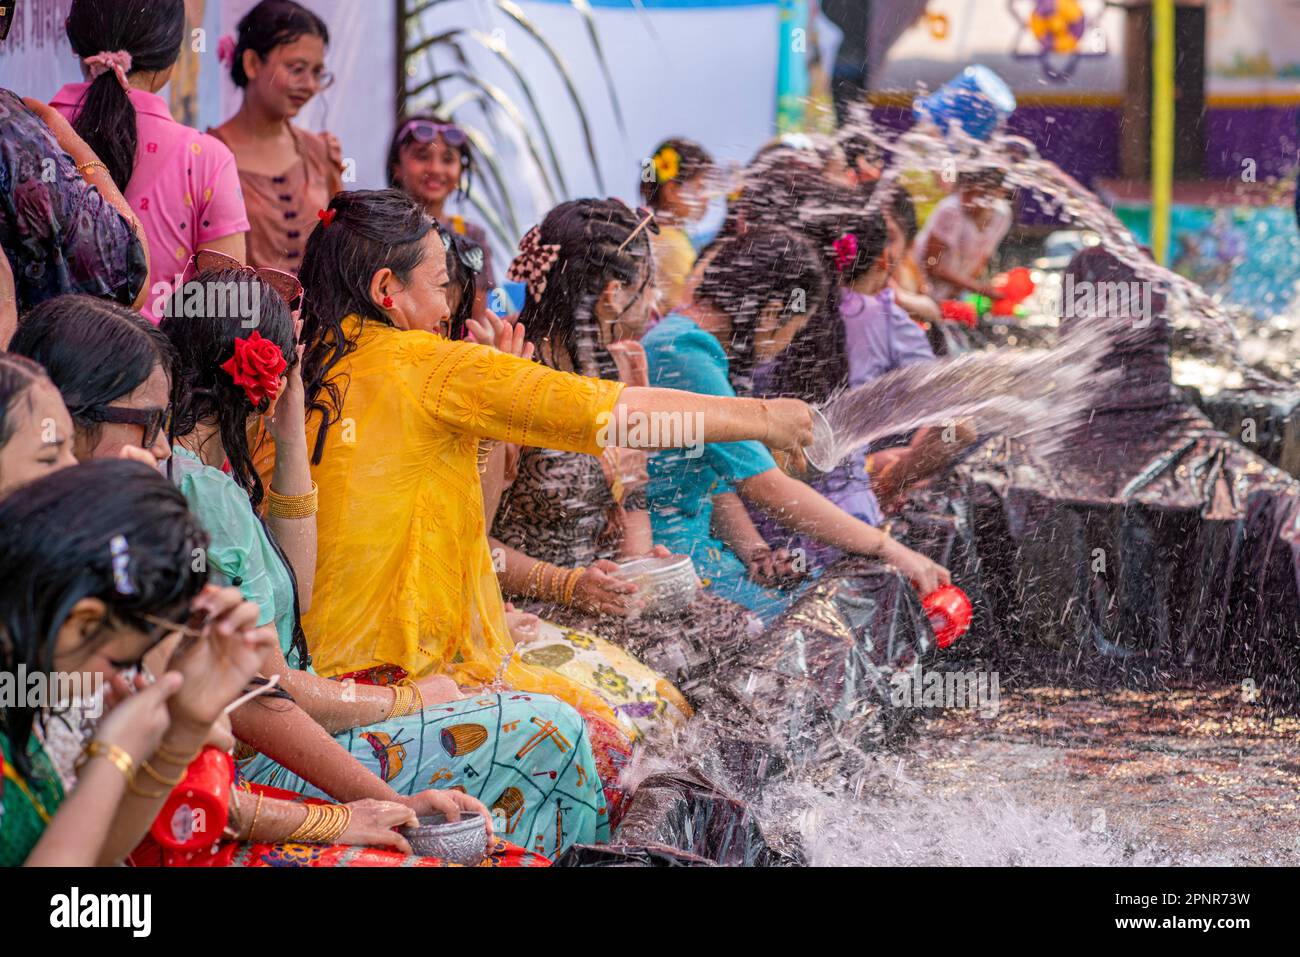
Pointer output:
x,y
17,374
372,229
152,32
692,160
589,233
94,351
747,274
204,392
782,191
56,552
272,24
398,141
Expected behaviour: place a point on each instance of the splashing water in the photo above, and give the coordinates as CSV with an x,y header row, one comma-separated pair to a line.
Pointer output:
x,y
1032,395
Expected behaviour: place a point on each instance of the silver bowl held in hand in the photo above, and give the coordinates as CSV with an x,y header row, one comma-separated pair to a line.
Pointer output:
x,y
667,585
457,842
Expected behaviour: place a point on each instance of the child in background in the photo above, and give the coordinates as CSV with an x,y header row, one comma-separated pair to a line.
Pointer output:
x,y
676,192
962,234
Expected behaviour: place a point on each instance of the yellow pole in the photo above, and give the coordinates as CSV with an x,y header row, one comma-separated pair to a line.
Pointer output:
x,y
1162,125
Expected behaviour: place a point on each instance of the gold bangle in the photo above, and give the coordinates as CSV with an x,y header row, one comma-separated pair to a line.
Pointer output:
x,y
553,574
110,753
257,809
172,756
144,766
323,824
141,792
418,695
293,506
533,573
93,164
571,585
403,702
339,817
302,833
485,447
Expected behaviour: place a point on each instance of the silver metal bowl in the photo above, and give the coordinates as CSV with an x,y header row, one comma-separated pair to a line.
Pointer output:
x,y
457,842
668,585
821,454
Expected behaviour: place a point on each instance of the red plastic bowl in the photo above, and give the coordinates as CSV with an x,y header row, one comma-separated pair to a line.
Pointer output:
x,y
949,611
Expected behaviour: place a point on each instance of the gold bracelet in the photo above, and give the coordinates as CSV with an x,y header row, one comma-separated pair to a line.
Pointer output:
x,y
93,164
529,583
303,832
571,586
144,766
485,447
323,824
172,756
419,698
403,700
293,506
110,753
141,792
257,809
553,576
340,817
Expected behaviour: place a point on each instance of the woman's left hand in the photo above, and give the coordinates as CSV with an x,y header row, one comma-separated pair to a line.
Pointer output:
x,y
510,338
289,423
217,666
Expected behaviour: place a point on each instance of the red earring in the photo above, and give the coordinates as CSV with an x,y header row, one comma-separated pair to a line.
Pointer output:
x,y
388,302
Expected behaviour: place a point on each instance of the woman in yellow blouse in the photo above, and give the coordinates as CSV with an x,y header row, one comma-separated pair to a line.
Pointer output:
x,y
404,573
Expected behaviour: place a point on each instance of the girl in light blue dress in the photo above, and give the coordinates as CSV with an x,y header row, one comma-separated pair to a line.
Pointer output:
x,y
753,297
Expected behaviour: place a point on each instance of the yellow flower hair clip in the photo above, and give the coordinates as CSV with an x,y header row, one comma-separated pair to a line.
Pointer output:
x,y
667,164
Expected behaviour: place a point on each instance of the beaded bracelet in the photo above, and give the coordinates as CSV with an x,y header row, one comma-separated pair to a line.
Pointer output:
x,y
93,164
293,506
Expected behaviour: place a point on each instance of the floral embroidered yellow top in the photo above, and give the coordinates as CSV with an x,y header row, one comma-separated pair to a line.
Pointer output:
x,y
404,574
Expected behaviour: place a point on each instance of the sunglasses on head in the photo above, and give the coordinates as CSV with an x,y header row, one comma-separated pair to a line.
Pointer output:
x,y
153,422
469,256
286,285
426,131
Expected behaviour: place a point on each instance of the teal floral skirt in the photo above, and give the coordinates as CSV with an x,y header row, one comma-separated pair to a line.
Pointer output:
x,y
528,757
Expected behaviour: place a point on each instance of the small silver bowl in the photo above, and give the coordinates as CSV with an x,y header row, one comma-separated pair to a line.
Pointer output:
x,y
820,456
668,585
457,842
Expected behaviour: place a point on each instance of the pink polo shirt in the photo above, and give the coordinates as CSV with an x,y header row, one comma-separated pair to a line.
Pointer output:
x,y
185,188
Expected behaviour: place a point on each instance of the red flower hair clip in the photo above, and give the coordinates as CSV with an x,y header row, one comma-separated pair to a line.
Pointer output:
x,y
846,251
326,216
256,367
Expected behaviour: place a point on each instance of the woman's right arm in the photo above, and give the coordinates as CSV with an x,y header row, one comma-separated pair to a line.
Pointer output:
x,y
80,829
801,508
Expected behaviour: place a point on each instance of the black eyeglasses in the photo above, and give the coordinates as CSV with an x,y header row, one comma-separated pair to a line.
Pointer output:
x,y
152,421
